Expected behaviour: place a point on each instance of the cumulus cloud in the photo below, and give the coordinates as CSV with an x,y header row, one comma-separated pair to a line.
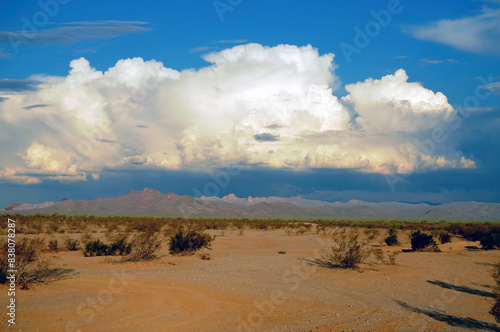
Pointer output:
x,y
477,34
393,104
251,105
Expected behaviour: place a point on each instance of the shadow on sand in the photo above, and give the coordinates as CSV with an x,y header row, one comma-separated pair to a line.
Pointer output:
x,y
463,289
452,320
48,275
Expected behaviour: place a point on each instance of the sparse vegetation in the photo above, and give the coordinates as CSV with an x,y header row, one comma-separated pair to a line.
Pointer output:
x,y
444,237
205,257
53,245
143,246
495,309
392,240
281,252
421,241
390,259
119,246
347,251
188,242
95,248
490,241
30,267
71,245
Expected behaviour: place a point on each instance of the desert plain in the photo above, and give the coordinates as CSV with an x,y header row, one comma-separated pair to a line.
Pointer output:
x,y
264,280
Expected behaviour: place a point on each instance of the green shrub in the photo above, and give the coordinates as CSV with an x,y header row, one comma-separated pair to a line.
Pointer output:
x,y
490,241
421,241
445,237
95,248
119,246
392,240
188,242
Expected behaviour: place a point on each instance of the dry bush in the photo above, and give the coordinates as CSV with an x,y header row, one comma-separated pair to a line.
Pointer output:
x,y
348,252
86,238
29,266
143,247
71,245
390,259
53,245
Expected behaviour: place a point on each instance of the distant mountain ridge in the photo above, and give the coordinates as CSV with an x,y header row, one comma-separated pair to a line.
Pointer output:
x,y
151,202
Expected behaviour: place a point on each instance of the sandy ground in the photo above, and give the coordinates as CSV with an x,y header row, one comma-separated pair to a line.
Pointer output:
x,y
248,286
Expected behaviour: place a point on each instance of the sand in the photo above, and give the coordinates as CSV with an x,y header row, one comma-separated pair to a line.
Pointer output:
x,y
248,286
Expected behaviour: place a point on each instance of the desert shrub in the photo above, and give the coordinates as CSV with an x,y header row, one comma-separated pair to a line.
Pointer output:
x,y
51,227
490,241
189,242
86,237
29,266
445,237
495,309
143,246
372,232
474,232
119,246
95,248
421,241
281,252
389,260
205,257
347,251
392,240
53,245
71,245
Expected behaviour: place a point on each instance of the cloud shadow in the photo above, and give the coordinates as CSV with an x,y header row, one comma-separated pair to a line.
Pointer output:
x,y
452,320
463,289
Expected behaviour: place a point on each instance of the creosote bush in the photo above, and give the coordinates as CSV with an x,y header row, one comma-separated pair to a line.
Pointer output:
x,y
71,245
29,266
444,237
421,241
389,260
95,248
188,242
143,246
392,240
490,241
347,252
53,245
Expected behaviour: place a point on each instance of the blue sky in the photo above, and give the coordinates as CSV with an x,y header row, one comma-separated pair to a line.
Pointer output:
x,y
372,100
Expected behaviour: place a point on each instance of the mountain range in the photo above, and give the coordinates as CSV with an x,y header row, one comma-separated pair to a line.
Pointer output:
x,y
150,202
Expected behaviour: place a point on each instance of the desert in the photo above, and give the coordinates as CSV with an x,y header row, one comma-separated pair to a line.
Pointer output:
x,y
266,279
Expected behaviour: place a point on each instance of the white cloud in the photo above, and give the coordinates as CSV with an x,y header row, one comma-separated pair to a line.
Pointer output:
x,y
392,104
475,34
253,105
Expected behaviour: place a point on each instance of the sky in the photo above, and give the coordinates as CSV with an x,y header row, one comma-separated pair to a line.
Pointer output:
x,y
332,100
